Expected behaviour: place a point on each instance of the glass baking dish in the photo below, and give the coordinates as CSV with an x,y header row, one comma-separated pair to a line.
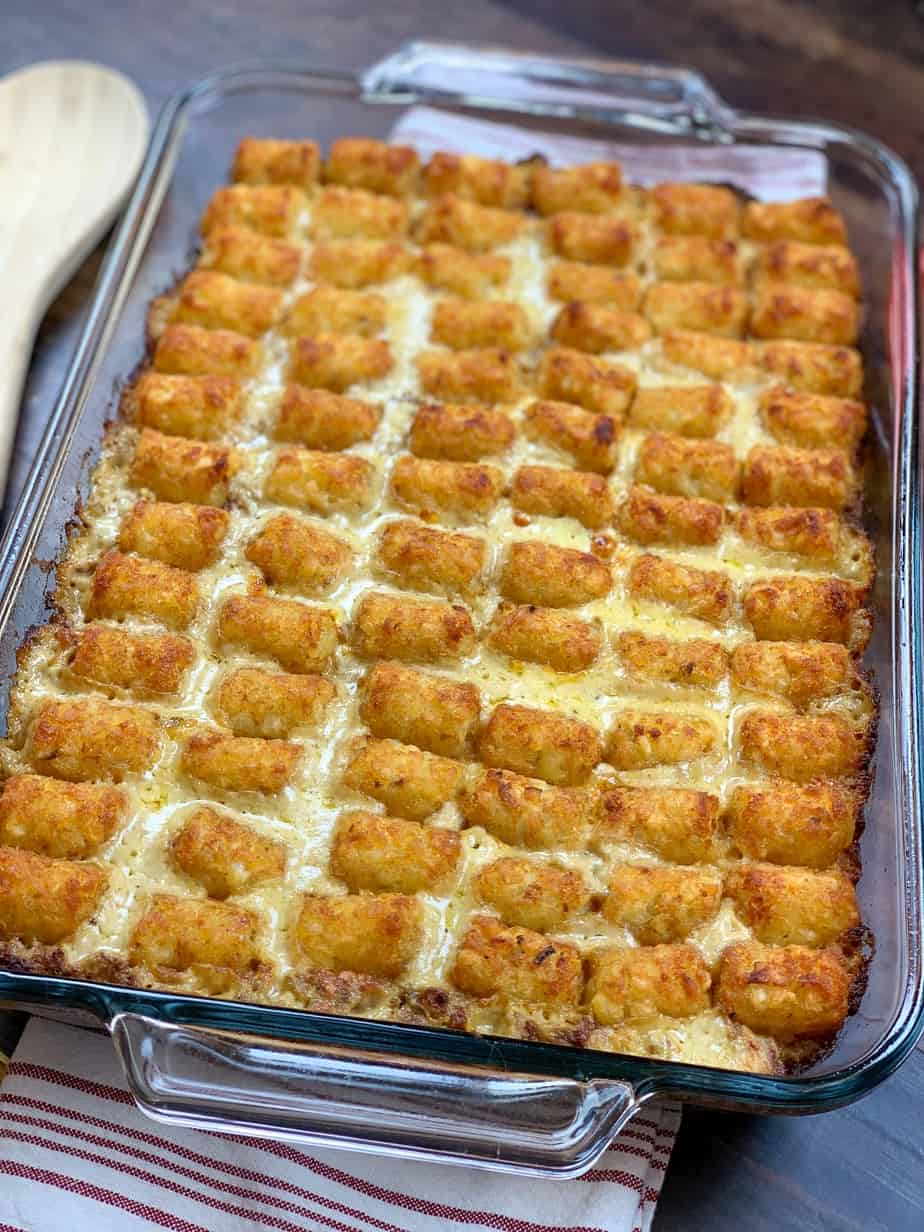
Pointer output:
x,y
437,1094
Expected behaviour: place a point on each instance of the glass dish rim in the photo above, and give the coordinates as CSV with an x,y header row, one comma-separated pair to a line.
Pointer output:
x,y
705,117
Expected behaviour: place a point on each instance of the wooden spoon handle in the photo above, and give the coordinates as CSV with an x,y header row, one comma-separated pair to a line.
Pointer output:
x,y
21,308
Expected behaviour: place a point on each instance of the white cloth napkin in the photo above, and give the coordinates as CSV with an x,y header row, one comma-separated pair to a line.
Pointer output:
x,y
77,1156
765,172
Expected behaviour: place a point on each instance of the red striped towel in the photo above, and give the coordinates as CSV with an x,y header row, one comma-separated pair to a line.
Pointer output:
x,y
77,1156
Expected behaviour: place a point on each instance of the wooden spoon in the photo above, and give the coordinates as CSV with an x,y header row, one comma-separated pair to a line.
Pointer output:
x,y
72,136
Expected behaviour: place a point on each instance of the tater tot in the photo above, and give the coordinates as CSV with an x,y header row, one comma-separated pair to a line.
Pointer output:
x,y
701,306
218,301
186,536
590,439
632,985
465,490
543,635
696,662
819,268
322,420
239,763
688,410
203,407
389,626
140,662
45,901
802,672
375,934
808,825
811,220
661,904
465,224
131,586
603,240
270,705
459,433
786,991
813,367
433,712
485,180
532,893
793,906
190,350
703,593
599,385
696,258
291,552
517,963
795,608
785,475
691,468
425,559
66,821
351,213
815,533
649,517
540,744
408,781
487,375
466,274
358,263
215,942
335,310
302,639
223,855
377,166
591,188
264,160
812,420
677,823
83,739
391,854
802,748
271,209
715,356
551,576
695,209
176,469
554,492
524,812
805,314
465,324
337,361
252,257
594,284
639,739
321,482
597,327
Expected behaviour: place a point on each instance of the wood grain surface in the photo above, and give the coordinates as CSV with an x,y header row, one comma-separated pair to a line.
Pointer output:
x,y
860,1169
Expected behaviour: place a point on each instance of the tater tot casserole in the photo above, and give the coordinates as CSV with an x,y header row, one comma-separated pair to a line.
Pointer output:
x,y
464,628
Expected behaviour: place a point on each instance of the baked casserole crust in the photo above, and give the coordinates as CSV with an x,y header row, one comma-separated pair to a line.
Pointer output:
x,y
465,624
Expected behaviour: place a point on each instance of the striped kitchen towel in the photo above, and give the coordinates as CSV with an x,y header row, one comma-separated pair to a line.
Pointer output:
x,y
76,1154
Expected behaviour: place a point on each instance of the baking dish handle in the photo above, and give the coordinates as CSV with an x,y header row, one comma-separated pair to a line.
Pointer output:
x,y
656,97
327,1096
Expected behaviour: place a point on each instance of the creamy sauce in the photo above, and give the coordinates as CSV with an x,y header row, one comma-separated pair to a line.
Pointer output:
x,y
304,814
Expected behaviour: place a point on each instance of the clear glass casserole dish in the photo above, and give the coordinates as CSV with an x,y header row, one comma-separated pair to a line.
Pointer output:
x,y
497,1103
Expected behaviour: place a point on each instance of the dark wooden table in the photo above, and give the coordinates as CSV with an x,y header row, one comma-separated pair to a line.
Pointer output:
x,y
858,1169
